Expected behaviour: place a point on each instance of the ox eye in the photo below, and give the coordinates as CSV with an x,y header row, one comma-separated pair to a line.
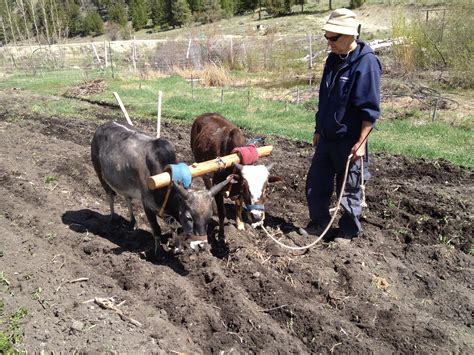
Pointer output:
x,y
189,218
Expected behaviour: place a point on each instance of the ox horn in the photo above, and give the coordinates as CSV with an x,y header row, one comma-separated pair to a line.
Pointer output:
x,y
220,186
238,166
182,192
270,166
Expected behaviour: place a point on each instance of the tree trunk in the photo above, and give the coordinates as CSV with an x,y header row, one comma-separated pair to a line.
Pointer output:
x,y
23,12
43,5
11,23
34,21
330,4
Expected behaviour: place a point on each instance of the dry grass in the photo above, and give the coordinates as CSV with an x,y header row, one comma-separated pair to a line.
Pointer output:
x,y
211,75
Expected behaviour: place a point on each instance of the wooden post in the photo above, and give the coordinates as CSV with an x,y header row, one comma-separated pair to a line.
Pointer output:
x,y
222,96
192,86
435,109
231,51
122,107
111,61
97,55
158,123
133,54
199,169
105,55
189,49
310,51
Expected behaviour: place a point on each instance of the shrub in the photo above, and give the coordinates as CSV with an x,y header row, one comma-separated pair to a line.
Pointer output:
x,y
92,24
445,42
356,3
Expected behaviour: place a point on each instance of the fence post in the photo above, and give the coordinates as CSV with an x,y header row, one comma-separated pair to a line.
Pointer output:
x,y
105,55
158,122
111,60
222,96
435,109
133,55
310,51
192,86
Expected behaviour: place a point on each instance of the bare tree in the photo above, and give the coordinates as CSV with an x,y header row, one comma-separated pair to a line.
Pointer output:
x,y
34,20
43,8
10,21
5,36
23,12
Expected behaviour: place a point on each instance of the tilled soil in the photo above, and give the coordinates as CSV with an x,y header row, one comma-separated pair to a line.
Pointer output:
x,y
406,285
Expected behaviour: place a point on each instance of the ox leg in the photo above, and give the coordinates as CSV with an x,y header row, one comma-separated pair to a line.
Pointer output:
x,y
220,212
110,197
238,214
133,221
155,227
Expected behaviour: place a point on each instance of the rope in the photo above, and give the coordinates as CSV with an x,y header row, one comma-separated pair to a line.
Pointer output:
x,y
363,203
335,209
179,173
330,222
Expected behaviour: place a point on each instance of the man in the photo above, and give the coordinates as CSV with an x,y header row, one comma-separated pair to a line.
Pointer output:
x,y
349,105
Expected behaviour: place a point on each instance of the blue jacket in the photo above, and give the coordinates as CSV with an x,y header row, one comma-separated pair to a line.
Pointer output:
x,y
350,95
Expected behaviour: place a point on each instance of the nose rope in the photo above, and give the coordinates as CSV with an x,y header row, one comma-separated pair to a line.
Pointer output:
x,y
336,209
179,173
330,222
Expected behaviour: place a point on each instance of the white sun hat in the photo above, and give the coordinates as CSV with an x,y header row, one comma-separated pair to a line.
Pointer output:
x,y
342,21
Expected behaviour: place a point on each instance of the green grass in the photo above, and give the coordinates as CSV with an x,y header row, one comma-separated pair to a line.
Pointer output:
x,y
409,135
10,332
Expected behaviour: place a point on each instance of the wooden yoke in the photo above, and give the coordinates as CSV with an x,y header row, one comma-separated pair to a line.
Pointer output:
x,y
199,169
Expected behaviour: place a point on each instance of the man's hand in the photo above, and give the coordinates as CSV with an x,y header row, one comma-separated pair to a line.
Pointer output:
x,y
358,153
316,139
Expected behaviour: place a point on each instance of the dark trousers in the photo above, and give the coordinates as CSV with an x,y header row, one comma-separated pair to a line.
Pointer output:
x,y
327,168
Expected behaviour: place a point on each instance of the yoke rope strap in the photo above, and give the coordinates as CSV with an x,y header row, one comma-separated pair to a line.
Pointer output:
x,y
248,154
180,173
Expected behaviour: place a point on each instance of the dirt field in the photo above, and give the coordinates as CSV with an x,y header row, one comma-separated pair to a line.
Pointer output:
x,y
405,286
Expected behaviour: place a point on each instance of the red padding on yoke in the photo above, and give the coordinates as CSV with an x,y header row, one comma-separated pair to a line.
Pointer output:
x,y
248,154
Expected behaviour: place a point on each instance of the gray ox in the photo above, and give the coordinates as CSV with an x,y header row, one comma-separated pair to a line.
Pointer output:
x,y
213,136
125,158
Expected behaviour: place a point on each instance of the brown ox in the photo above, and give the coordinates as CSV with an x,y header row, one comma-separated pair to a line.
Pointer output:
x,y
213,136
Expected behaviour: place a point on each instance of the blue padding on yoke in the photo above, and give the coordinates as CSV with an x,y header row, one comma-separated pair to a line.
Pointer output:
x,y
180,173
254,207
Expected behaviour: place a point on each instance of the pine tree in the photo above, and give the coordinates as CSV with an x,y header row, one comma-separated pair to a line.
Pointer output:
x,y
246,5
211,11
73,19
118,13
180,13
196,6
279,7
157,11
229,7
139,13
92,24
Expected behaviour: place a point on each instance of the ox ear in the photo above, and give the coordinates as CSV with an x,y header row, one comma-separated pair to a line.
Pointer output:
x,y
274,178
220,186
182,192
238,166
270,166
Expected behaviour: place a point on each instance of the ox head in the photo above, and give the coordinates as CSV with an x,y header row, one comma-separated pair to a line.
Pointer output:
x,y
254,182
195,211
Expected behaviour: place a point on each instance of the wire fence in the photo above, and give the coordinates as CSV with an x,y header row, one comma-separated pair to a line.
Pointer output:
x,y
145,58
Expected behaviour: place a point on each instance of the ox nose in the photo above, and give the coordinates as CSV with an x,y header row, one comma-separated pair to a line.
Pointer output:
x,y
198,242
257,215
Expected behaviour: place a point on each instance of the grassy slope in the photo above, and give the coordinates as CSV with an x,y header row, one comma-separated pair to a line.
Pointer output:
x,y
432,140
